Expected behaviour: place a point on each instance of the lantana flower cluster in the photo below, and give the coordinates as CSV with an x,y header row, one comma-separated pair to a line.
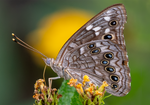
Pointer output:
x,y
43,95
91,95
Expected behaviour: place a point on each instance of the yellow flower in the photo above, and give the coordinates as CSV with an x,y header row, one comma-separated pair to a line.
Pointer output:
x,y
54,30
91,95
92,85
98,93
79,85
105,83
36,96
79,88
85,79
72,82
90,89
39,84
102,87
43,95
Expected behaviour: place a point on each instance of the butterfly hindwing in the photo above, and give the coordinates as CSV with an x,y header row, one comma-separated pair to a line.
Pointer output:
x,y
101,61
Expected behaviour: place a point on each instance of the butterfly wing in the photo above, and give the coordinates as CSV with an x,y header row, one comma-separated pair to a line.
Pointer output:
x,y
104,61
97,27
99,38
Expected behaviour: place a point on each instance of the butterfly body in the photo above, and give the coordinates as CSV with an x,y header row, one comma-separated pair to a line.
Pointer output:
x,y
98,50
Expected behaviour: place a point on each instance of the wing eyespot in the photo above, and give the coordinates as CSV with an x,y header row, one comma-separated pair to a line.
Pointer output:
x,y
114,78
113,23
95,51
110,69
91,46
109,55
108,36
114,86
104,62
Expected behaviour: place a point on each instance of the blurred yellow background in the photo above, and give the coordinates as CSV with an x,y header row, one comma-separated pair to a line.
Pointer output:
x,y
47,25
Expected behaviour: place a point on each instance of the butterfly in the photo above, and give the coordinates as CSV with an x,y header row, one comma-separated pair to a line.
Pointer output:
x,y
97,50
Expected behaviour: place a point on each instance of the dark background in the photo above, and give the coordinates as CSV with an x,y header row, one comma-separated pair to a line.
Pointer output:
x,y
20,68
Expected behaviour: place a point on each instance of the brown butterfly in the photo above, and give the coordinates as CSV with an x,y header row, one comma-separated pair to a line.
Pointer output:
x,y
98,50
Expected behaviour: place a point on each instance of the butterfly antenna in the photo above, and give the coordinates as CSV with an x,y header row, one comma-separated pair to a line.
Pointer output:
x,y
22,43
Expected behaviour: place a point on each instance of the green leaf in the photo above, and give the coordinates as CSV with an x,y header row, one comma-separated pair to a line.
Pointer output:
x,y
76,99
69,95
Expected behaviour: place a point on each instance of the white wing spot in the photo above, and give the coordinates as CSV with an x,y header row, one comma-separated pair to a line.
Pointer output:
x,y
96,28
127,93
81,50
94,57
67,58
73,45
98,44
107,18
85,54
104,49
107,30
74,57
89,27
97,33
129,74
130,83
97,68
128,63
108,11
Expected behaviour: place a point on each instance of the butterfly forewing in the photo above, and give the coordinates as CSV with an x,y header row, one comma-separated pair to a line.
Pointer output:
x,y
97,27
98,50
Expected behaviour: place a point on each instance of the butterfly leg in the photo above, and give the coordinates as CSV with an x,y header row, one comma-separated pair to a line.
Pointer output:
x,y
50,83
68,73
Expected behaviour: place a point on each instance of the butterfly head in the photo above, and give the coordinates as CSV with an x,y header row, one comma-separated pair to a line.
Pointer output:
x,y
56,67
48,61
